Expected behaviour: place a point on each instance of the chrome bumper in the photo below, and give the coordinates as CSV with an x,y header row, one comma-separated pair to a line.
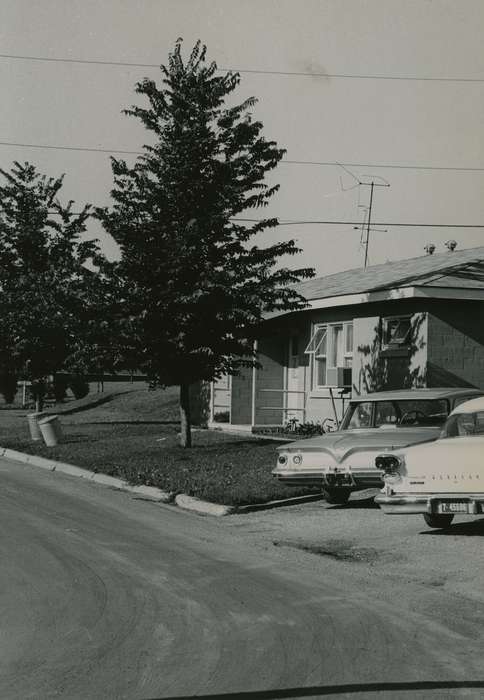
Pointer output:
x,y
298,477
397,504
313,477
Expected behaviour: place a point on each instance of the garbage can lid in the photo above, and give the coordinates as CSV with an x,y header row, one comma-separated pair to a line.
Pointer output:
x,y
35,415
48,419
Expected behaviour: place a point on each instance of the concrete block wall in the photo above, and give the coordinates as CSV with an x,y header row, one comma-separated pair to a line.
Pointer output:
x,y
456,344
375,369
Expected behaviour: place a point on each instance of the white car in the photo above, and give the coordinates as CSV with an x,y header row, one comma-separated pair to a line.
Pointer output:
x,y
439,479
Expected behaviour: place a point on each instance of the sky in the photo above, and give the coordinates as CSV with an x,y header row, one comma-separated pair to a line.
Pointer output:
x,y
412,125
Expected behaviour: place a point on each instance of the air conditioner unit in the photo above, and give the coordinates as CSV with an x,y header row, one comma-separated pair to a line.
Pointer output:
x,y
338,376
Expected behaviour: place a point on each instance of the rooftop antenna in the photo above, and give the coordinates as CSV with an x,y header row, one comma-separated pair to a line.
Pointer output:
x,y
371,184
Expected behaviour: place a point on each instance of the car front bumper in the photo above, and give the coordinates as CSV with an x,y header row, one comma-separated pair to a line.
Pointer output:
x,y
401,504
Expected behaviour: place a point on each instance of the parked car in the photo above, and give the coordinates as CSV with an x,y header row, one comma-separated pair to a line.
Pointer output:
x,y
344,461
441,479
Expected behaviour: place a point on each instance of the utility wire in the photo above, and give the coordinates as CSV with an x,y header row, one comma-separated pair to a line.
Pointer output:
x,y
283,161
327,223
69,148
359,223
310,74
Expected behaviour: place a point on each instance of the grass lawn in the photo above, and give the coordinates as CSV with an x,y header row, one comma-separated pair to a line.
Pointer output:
x,y
220,468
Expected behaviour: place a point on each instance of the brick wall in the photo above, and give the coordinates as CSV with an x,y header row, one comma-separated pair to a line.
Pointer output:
x,y
456,344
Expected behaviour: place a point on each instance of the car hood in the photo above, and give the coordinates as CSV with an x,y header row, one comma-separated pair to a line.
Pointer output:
x,y
341,443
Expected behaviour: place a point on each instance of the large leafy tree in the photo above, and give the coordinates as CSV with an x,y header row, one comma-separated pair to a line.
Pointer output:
x,y
195,284
49,298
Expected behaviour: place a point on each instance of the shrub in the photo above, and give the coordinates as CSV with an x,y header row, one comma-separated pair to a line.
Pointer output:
x,y
60,387
79,386
8,387
222,417
38,390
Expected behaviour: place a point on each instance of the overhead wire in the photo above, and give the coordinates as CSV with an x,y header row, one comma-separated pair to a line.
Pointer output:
x,y
284,161
255,71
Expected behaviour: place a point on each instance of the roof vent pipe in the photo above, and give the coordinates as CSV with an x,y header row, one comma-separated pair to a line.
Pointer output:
x,y
451,245
429,248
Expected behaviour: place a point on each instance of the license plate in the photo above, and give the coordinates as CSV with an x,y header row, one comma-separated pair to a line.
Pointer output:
x,y
454,507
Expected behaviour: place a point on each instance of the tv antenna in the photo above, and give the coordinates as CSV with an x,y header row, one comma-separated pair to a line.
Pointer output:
x,y
371,184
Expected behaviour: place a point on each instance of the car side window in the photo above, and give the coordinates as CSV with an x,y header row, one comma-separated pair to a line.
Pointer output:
x,y
361,416
462,399
385,413
464,424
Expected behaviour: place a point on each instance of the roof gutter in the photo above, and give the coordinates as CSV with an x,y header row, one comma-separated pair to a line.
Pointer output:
x,y
464,294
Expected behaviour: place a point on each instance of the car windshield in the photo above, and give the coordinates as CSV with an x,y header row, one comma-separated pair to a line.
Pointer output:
x,y
464,424
396,413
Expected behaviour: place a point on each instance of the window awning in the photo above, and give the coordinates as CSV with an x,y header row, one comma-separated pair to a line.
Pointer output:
x,y
317,339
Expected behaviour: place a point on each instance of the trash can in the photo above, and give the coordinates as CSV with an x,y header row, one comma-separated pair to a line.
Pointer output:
x,y
51,430
33,419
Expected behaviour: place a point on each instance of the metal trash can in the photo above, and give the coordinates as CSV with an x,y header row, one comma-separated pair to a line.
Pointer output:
x,y
33,419
51,430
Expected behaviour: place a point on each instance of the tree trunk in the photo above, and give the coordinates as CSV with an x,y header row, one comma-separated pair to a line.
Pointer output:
x,y
185,427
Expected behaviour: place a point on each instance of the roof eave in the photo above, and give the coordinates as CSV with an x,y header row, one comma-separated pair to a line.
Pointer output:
x,y
391,294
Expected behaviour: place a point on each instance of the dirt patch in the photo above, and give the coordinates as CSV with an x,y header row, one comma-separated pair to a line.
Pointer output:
x,y
342,550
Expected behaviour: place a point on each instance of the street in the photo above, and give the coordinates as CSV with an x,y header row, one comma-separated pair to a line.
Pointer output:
x,y
104,595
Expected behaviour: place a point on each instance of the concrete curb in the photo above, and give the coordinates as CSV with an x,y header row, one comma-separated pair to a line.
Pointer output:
x,y
150,492
203,507
294,501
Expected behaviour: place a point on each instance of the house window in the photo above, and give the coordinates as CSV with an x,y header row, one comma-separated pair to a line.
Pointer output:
x,y
330,346
396,331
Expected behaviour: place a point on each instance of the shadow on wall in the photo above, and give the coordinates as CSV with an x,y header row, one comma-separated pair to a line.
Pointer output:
x,y
438,376
393,367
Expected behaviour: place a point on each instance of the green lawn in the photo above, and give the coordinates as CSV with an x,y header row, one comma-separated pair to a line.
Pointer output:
x,y
220,467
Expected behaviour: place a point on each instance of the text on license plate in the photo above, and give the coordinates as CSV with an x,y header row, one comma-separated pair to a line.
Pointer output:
x,y
454,507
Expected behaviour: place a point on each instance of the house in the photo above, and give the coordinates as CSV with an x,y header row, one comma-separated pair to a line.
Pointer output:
x,y
409,323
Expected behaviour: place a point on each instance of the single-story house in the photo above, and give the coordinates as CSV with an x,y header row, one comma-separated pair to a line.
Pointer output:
x,y
408,323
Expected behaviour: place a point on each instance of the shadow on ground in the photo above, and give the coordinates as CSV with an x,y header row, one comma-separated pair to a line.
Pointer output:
x,y
347,688
359,503
474,528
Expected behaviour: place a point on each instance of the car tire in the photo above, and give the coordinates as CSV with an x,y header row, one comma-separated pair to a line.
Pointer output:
x,y
438,520
336,496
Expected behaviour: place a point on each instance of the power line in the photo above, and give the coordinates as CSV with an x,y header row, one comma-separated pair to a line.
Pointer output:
x,y
329,223
69,148
358,223
384,165
255,71
283,161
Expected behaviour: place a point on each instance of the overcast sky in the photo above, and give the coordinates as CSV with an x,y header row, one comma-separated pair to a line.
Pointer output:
x,y
316,118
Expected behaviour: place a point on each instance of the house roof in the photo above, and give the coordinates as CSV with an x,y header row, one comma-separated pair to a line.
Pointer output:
x,y
460,269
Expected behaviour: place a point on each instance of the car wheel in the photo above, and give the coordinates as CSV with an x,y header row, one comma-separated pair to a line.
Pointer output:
x,y
336,496
438,520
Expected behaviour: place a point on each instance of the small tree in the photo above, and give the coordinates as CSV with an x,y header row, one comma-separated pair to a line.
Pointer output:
x,y
195,285
48,295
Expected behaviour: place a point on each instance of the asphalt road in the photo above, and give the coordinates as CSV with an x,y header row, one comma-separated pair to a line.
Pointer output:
x,y
103,595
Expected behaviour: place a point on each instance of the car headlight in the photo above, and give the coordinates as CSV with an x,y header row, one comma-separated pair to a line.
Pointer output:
x,y
282,459
297,459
